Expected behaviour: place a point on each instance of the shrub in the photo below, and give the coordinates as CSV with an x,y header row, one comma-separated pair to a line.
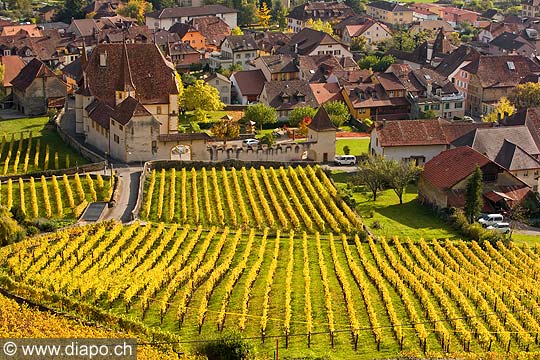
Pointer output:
x,y
230,346
376,225
346,150
32,230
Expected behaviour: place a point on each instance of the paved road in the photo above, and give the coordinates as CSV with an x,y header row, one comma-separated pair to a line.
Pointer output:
x,y
128,188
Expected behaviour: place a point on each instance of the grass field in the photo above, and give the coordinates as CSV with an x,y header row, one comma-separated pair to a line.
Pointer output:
x,y
386,216
59,197
424,297
59,155
531,240
357,146
285,198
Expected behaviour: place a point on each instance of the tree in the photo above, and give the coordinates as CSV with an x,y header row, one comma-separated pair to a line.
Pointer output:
x,y
405,41
399,174
180,86
359,44
338,112
237,31
297,115
226,129
22,7
10,230
320,25
263,14
473,195
279,14
503,107
227,72
201,96
346,150
2,89
247,14
268,139
430,114
71,9
135,9
371,173
260,114
527,95
376,63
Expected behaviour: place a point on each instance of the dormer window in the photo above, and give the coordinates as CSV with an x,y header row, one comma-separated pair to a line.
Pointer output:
x,y
7,52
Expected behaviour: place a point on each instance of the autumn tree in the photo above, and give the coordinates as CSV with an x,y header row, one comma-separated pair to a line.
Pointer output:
x,y
2,88
237,31
320,25
527,95
226,129
264,16
338,112
135,9
297,115
201,96
504,106
260,114
10,230
473,195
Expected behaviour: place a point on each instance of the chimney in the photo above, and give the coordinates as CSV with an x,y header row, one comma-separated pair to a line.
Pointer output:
x,y
103,59
429,89
429,54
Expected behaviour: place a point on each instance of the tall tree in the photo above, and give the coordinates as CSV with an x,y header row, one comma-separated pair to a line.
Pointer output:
x,y
247,14
201,96
10,230
264,16
338,112
279,14
503,106
260,114
71,9
527,95
135,9
371,174
226,129
400,174
297,115
2,88
473,195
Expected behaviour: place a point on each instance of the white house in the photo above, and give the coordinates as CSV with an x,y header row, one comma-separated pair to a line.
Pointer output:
x,y
165,18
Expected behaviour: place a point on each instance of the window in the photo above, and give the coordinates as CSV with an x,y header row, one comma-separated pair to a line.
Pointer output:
x,y
120,127
158,110
458,105
447,105
248,55
436,107
238,56
526,173
154,146
426,107
116,139
337,52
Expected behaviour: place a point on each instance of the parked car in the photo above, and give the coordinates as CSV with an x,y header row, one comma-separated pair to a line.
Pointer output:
x,y
250,142
502,227
345,160
490,219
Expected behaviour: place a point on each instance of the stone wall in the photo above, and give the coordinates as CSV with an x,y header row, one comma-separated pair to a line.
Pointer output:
x,y
280,152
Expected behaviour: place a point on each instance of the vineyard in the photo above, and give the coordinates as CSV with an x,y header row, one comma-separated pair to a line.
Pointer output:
x,y
299,199
55,197
22,153
320,294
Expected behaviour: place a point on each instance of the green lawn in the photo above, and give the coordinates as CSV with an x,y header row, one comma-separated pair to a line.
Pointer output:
x,y
407,220
357,146
531,240
46,135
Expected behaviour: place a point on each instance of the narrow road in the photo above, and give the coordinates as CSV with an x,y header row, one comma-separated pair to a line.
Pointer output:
x,y
128,188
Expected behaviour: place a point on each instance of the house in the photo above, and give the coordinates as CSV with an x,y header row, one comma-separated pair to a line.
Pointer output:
x,y
390,13
30,30
428,91
167,17
495,29
322,133
127,105
102,8
189,35
269,42
488,78
214,30
424,15
416,140
36,88
451,67
235,49
511,44
285,96
183,55
512,147
370,100
530,8
247,86
457,16
330,11
313,42
13,65
278,67
47,13
373,31
222,84
444,180
326,92
425,11
433,26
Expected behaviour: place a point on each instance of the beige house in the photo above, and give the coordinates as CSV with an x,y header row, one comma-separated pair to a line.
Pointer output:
x,y
222,84
530,8
127,106
167,17
390,13
373,31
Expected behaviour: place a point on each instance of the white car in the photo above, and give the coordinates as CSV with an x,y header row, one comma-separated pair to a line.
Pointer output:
x,y
502,227
490,219
250,142
345,160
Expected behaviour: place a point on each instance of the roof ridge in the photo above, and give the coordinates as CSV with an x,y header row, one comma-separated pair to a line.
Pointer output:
x,y
125,81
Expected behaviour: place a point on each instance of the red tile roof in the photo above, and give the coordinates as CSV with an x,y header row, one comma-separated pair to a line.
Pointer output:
x,y
326,92
30,72
13,64
250,82
451,166
321,121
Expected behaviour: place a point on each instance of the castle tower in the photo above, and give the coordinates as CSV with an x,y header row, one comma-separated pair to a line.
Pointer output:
x,y
322,132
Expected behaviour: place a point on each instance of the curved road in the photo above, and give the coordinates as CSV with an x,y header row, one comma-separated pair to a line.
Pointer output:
x,y
128,189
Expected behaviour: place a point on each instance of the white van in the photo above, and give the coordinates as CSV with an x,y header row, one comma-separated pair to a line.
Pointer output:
x,y
345,160
490,219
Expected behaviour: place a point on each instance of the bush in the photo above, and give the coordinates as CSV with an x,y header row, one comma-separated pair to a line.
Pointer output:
x,y
376,225
472,231
32,230
346,150
230,346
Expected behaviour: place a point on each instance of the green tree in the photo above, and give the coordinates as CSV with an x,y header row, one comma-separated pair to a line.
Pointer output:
x,y
359,44
473,195
247,14
268,139
297,115
526,95
338,112
399,174
71,9
135,9
279,14
193,127
227,72
371,174
226,129
23,7
346,150
503,106
201,96
260,114
430,114
10,230
376,63
264,16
